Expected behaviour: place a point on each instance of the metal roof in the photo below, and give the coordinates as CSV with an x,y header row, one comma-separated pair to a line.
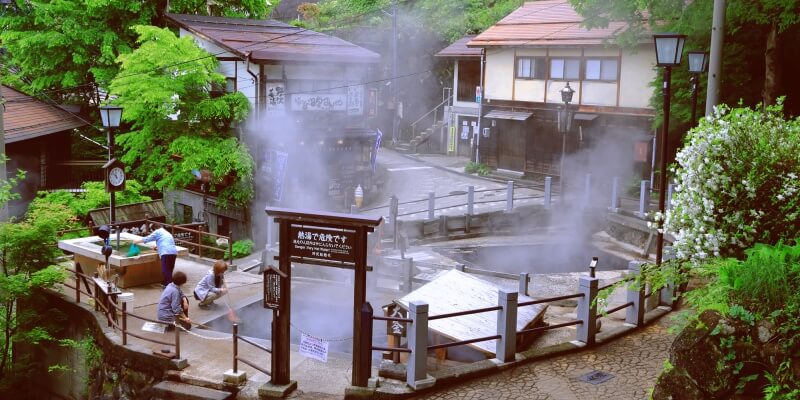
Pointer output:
x,y
459,49
265,41
26,117
545,23
512,115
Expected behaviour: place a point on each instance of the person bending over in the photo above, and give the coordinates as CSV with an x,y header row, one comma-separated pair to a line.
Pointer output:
x,y
165,244
173,306
212,286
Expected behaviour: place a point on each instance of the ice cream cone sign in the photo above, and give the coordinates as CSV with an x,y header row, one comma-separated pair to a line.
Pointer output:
x,y
359,196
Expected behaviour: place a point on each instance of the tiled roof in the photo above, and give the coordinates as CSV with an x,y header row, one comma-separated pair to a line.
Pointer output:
x,y
270,40
459,49
26,117
545,23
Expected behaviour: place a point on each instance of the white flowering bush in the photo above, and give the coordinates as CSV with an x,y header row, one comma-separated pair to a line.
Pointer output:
x,y
737,184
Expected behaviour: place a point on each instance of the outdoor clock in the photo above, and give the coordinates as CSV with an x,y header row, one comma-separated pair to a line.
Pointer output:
x,y
115,175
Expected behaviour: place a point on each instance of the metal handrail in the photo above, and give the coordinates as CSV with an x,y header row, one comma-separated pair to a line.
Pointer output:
x,y
414,124
547,328
463,342
465,312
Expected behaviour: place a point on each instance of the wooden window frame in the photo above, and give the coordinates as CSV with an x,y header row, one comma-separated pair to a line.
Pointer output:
x,y
562,79
601,59
533,59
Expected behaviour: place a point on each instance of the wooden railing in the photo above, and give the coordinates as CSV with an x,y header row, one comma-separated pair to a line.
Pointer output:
x,y
105,300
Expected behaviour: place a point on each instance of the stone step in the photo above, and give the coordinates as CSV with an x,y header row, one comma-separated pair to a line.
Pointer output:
x,y
181,391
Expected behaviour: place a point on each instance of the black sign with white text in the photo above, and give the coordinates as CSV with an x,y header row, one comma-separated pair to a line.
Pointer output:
x,y
322,244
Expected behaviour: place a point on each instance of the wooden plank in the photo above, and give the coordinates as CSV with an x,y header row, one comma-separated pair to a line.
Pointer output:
x,y
455,291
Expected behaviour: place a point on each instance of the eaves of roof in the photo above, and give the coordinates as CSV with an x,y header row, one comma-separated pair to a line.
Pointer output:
x,y
26,118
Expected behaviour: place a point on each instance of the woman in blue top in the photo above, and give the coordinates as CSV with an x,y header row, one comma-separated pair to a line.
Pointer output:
x,y
165,244
212,286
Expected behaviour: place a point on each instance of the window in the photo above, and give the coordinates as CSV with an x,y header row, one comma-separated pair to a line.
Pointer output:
x,y
601,69
565,68
530,68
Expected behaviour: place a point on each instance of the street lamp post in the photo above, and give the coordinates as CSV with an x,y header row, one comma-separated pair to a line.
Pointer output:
x,y
111,116
564,125
698,63
669,49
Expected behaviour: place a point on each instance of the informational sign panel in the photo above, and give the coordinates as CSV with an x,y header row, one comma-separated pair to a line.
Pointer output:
x,y
319,102
272,289
276,96
314,348
322,244
355,100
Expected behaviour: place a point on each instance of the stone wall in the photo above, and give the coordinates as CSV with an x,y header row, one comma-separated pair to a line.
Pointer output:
x,y
99,367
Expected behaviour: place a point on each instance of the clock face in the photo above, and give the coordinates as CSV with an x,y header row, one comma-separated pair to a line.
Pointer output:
x,y
116,176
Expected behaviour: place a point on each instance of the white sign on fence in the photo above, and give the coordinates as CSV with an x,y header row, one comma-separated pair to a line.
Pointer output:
x,y
314,348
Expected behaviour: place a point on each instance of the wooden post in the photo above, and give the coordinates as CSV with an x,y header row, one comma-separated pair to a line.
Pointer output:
x,y
506,346
124,323
365,359
235,348
230,245
199,242
280,334
393,210
431,204
642,198
614,195
470,200
361,372
177,340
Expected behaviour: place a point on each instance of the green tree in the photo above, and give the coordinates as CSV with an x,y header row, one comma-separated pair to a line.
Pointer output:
x,y
69,48
770,21
27,258
177,126
94,196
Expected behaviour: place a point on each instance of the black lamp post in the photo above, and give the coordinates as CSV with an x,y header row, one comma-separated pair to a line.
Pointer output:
x,y
698,63
111,116
669,49
564,125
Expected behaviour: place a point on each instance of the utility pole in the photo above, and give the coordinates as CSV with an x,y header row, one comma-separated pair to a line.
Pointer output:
x,y
395,116
3,173
715,63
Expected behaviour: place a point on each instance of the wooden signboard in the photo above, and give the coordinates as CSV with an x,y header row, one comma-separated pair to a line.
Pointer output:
x,y
322,244
272,288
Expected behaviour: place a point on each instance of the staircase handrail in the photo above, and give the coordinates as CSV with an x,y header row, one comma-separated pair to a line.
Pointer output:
x,y
414,124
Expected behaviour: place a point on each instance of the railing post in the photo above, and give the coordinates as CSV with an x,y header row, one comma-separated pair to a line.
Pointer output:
x,y
587,310
506,325
587,189
416,374
77,284
366,345
460,267
177,340
667,295
352,208
230,247
125,323
199,242
510,196
431,204
635,313
470,200
642,198
235,348
409,274
548,191
670,188
523,283
614,195
393,210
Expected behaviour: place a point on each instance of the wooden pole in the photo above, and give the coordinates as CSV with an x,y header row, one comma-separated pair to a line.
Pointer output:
x,y
361,372
280,334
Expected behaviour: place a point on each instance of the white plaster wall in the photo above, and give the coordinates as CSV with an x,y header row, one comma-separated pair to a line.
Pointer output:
x,y
499,74
637,71
529,90
599,93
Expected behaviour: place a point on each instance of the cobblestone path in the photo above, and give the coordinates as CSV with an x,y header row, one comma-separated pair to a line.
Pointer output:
x,y
634,360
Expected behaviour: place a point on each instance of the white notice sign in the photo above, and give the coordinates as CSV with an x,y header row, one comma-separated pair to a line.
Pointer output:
x,y
314,348
154,327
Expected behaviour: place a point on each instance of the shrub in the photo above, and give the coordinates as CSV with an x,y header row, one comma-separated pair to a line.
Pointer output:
x,y
480,169
737,183
242,248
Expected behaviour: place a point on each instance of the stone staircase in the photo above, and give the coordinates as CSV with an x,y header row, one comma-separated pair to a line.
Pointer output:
x,y
182,391
413,146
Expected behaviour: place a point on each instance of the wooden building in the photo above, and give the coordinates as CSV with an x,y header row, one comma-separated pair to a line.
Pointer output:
x,y
312,131
528,58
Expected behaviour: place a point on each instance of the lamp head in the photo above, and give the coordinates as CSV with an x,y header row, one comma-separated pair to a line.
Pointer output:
x,y
698,61
566,94
669,49
111,116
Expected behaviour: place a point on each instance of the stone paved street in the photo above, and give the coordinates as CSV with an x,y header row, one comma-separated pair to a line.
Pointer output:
x,y
635,361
